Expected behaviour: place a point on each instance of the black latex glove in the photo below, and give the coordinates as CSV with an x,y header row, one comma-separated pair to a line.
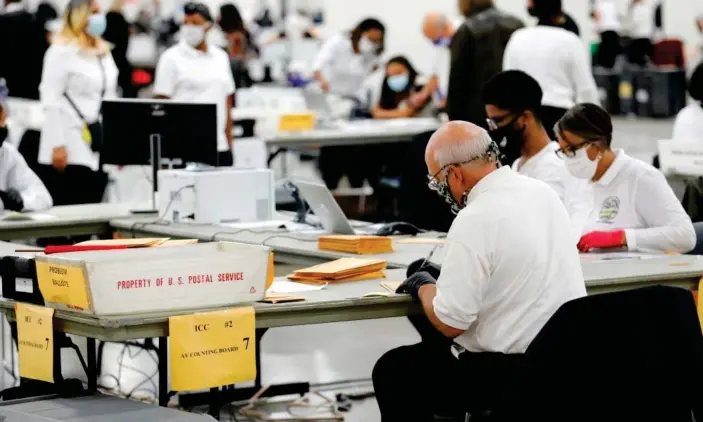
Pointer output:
x,y
412,284
424,265
12,200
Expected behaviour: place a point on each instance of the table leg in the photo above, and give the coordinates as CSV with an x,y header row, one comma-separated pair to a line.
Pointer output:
x,y
92,366
215,403
259,335
163,371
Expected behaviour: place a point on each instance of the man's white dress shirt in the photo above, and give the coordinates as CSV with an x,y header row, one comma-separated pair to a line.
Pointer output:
x,y
509,264
558,60
16,174
575,193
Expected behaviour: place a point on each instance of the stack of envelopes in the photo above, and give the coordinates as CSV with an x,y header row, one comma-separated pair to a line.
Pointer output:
x,y
355,244
341,270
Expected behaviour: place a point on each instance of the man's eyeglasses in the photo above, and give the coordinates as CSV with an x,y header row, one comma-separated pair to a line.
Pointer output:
x,y
493,122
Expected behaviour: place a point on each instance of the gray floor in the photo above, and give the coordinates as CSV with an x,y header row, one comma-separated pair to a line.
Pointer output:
x,y
335,352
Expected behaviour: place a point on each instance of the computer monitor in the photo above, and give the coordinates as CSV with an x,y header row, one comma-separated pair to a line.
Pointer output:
x,y
147,132
187,131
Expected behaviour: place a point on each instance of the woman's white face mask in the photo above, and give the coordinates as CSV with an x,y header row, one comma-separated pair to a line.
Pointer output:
x,y
367,47
193,35
580,165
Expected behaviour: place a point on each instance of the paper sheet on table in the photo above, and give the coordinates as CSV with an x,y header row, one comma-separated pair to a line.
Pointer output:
x,y
391,286
617,256
130,243
285,286
421,241
19,216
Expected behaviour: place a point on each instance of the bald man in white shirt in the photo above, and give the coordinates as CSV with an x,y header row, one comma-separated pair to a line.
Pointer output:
x,y
490,297
439,30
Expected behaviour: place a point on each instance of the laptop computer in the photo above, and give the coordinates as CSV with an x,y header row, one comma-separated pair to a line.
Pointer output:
x,y
317,102
327,210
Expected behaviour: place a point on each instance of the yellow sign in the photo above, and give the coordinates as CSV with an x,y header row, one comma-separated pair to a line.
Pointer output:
x,y
35,341
212,349
296,122
625,89
64,284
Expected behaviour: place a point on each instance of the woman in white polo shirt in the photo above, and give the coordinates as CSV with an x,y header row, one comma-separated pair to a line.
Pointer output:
x,y
634,206
195,71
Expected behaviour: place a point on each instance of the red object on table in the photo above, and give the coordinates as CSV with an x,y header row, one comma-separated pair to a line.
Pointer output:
x,y
74,248
602,240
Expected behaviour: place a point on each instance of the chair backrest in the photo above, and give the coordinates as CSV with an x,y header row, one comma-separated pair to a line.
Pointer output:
x,y
637,352
681,157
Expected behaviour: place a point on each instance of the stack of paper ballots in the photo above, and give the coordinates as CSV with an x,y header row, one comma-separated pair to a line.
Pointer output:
x,y
341,270
355,244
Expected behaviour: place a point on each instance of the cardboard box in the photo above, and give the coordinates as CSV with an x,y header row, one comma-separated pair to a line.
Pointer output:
x,y
143,280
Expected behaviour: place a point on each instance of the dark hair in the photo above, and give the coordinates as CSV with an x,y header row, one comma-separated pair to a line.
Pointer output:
x,y
196,8
367,25
45,13
545,10
230,18
695,83
587,121
514,91
390,99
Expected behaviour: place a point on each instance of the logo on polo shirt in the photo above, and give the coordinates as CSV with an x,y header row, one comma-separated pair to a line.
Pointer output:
x,y
609,209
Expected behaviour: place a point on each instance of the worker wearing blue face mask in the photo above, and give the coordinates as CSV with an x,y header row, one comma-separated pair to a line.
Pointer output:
x,y
78,73
345,60
398,91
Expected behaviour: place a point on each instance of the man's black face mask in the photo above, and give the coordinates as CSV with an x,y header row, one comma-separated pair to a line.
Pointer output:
x,y
510,140
3,134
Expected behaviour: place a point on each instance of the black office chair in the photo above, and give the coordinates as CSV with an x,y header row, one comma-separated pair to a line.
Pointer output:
x,y
634,355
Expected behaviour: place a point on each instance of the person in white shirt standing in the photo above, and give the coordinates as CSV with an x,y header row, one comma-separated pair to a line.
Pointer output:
x,y
514,121
341,66
634,206
607,20
78,73
196,71
688,126
508,266
439,30
345,60
20,188
641,25
557,59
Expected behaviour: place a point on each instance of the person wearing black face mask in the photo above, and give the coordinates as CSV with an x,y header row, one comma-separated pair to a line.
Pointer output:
x,y
550,13
20,188
517,127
